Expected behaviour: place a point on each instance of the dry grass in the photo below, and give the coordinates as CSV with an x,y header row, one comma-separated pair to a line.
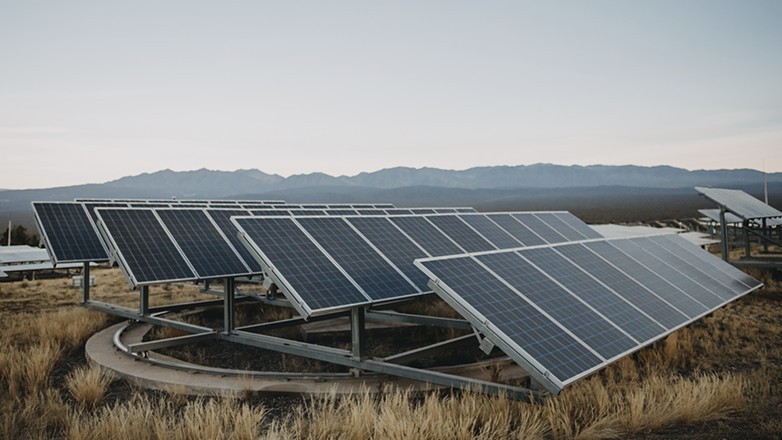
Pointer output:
x,y
88,385
727,366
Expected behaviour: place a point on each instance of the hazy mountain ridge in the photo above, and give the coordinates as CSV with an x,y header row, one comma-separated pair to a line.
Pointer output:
x,y
542,186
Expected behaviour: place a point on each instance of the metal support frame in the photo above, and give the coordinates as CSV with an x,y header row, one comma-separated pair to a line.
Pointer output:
x,y
724,235
429,350
266,326
228,307
345,358
126,312
358,332
745,227
171,342
143,306
432,321
85,281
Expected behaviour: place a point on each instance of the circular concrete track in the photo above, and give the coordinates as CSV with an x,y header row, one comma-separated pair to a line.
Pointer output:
x,y
169,374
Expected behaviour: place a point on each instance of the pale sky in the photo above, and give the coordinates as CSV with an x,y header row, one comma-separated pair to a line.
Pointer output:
x,y
93,91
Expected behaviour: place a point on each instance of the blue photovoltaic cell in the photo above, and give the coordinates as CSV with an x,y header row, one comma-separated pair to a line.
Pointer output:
x,y
495,234
427,236
576,223
269,212
341,212
394,245
422,211
649,258
202,243
315,206
396,211
540,228
69,233
445,210
681,261
316,280
461,233
605,301
303,212
583,322
383,205
708,263
369,270
537,335
516,229
91,208
560,226
465,210
633,292
370,212
223,219
655,283
147,250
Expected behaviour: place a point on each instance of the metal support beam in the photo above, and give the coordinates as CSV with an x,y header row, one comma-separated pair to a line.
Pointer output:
x,y
358,333
85,281
266,326
433,321
764,224
228,307
129,313
194,305
343,357
724,235
143,307
418,353
171,342
745,227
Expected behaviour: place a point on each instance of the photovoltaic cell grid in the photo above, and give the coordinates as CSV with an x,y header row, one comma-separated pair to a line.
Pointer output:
x,y
137,235
592,303
740,203
377,253
68,232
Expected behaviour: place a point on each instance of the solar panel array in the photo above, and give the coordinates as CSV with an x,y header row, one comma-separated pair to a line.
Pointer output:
x,y
740,203
69,229
563,311
205,238
370,259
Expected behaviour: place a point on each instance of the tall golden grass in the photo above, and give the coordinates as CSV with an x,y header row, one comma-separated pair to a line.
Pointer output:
x,y
727,365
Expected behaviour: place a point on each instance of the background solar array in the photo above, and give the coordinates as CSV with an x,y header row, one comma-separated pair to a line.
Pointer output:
x,y
596,301
68,232
740,203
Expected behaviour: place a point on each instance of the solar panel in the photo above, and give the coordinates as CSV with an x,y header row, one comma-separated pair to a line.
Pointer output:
x,y
542,229
369,269
516,229
551,220
461,233
488,229
598,300
395,245
740,203
91,208
265,212
68,232
370,212
427,236
398,211
422,211
222,217
202,242
298,265
341,212
136,234
302,212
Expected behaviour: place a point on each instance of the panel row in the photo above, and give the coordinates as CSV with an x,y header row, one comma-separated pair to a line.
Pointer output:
x,y
566,310
371,258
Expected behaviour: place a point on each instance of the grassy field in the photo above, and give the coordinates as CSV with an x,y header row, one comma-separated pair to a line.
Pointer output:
x,y
719,378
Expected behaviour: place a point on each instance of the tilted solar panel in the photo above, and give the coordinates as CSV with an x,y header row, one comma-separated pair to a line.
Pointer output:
x,y
296,263
597,301
222,217
204,245
68,232
740,203
145,249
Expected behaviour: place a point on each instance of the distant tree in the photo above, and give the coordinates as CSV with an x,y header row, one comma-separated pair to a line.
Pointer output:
x,y
19,235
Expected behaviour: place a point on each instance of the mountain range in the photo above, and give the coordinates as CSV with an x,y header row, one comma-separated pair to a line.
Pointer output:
x,y
539,186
